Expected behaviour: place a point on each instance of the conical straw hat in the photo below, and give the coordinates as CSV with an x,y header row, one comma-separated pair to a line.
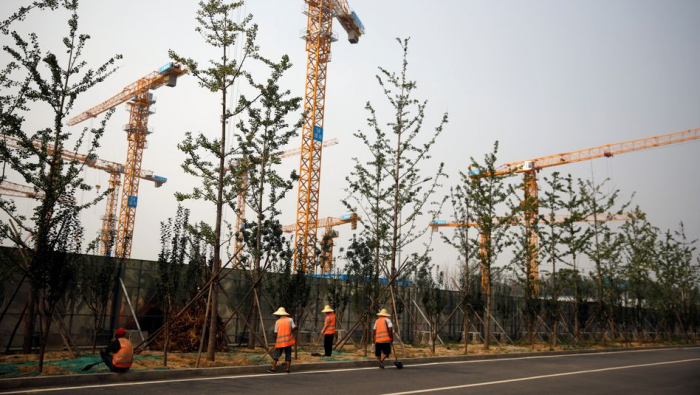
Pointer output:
x,y
327,309
281,311
384,313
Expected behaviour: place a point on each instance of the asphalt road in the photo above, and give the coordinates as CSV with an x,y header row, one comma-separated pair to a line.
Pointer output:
x,y
669,371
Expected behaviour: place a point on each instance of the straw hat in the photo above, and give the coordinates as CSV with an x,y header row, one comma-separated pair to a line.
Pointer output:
x,y
327,309
281,311
384,313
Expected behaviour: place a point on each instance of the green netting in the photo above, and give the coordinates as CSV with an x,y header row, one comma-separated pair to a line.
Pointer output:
x,y
9,370
75,366
67,366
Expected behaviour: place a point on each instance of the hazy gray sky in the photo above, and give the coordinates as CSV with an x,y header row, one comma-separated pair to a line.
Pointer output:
x,y
542,77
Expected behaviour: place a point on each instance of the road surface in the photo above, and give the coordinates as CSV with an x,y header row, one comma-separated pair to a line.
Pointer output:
x,y
667,371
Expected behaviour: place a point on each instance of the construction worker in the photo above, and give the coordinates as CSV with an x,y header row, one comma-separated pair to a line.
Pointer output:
x,y
383,333
328,330
122,353
284,328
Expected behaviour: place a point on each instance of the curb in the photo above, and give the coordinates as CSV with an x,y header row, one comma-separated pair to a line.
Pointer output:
x,y
153,375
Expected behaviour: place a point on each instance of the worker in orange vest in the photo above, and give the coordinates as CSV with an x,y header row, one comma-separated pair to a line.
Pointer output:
x,y
383,333
122,353
328,330
284,328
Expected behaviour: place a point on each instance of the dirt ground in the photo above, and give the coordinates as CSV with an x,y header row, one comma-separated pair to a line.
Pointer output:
x,y
56,363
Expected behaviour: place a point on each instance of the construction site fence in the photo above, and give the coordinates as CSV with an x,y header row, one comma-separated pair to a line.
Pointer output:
x,y
140,279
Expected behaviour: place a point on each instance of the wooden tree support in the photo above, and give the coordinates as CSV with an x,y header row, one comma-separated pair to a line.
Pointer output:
x,y
65,336
204,327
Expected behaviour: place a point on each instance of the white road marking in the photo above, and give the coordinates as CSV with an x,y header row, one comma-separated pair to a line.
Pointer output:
x,y
268,375
541,377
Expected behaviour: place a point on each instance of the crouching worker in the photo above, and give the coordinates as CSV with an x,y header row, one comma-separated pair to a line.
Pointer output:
x,y
383,336
284,328
119,354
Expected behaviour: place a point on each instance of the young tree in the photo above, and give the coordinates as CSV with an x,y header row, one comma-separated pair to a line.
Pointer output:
x,y
639,249
433,296
363,280
390,193
338,294
460,241
262,136
525,253
676,278
97,284
575,238
219,187
487,192
687,315
604,250
171,263
32,78
550,237
289,288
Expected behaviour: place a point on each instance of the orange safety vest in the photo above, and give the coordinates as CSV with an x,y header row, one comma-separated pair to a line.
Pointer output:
x,y
382,332
125,356
329,324
284,333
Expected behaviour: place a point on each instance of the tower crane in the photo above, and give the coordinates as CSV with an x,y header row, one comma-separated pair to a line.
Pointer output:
x,y
13,189
517,220
8,188
530,167
318,36
115,170
139,100
328,223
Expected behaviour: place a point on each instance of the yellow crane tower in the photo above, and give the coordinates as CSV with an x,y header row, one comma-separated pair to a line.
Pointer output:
x,y
328,223
115,170
139,97
530,167
318,36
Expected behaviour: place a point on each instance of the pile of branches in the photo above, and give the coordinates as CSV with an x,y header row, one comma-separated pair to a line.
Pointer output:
x,y
186,333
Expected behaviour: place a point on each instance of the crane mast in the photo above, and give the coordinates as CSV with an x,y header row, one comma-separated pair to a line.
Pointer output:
x,y
318,36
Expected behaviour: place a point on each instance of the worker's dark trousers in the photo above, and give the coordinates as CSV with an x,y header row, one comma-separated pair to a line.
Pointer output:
x,y
328,344
108,361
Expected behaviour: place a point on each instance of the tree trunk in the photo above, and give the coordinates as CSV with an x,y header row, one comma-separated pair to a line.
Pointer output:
x,y
576,324
94,339
531,330
29,319
44,339
487,312
465,320
166,343
364,341
253,327
555,302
